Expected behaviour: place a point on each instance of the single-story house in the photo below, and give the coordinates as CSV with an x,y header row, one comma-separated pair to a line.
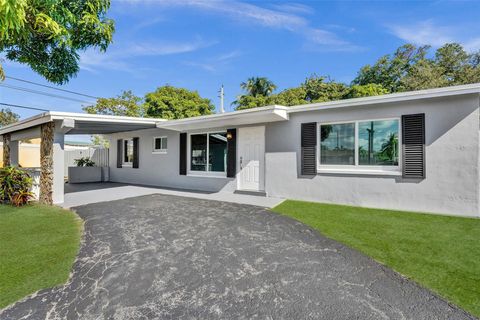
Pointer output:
x,y
417,151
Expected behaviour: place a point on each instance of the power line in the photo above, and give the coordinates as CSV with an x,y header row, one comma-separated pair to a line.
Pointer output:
x,y
20,106
42,93
51,87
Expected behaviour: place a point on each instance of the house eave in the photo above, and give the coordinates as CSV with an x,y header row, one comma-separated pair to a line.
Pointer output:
x,y
233,119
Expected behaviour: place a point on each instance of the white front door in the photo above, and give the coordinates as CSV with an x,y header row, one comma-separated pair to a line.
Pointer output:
x,y
251,158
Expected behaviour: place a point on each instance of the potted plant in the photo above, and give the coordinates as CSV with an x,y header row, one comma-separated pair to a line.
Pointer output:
x,y
85,171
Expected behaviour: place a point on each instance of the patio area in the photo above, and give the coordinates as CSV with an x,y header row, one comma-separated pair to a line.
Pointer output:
x,y
88,193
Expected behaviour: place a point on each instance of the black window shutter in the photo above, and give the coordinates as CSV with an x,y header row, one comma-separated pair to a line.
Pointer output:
x,y
309,148
119,153
232,153
413,145
183,153
136,153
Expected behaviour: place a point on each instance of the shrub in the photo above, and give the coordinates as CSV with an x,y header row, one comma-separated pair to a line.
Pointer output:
x,y
15,185
84,162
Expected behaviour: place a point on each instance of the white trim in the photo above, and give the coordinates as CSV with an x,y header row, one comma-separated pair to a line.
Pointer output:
x,y
389,98
206,173
159,151
356,168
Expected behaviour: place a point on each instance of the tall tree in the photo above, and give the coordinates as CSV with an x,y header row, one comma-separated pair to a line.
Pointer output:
x,y
169,102
125,104
258,86
7,117
410,68
47,34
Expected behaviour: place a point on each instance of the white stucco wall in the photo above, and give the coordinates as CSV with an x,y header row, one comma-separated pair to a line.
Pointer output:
x,y
452,178
161,169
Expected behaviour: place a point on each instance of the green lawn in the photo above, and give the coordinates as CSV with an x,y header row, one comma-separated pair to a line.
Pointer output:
x,y
38,245
439,252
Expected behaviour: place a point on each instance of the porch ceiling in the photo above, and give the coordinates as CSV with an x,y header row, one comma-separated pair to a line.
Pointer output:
x,y
225,120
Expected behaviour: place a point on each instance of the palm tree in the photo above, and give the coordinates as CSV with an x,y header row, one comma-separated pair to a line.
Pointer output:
x,y
390,148
258,86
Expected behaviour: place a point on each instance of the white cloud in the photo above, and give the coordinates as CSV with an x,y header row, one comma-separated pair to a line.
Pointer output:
x,y
123,58
428,32
216,63
282,16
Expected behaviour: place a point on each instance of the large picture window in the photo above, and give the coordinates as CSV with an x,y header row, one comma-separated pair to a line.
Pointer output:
x,y
337,143
362,143
378,143
208,152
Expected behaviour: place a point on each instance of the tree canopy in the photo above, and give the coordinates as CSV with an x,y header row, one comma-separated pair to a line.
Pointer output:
x,y
7,117
169,102
47,34
125,104
313,89
410,68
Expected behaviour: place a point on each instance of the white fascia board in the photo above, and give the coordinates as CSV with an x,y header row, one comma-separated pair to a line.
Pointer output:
x,y
390,98
236,118
103,118
27,123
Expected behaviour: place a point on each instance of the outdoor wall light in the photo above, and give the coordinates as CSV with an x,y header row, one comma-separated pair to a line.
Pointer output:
x,y
229,136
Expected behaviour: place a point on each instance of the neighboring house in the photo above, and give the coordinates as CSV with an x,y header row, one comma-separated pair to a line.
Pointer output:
x,y
414,151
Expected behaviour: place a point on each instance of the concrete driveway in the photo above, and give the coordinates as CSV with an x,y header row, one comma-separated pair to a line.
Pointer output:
x,y
169,257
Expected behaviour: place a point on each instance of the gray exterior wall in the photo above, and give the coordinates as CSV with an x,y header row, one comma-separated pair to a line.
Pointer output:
x,y
452,178
161,169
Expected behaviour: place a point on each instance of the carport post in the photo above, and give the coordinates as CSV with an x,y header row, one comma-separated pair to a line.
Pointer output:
x,y
6,149
52,163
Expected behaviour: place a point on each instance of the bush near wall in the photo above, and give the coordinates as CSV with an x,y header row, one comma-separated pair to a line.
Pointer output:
x,y
15,186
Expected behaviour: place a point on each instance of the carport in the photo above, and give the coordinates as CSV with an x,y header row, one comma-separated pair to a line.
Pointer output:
x,y
51,127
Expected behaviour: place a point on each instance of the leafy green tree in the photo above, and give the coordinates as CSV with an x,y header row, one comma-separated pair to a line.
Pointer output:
x,y
7,117
258,86
125,104
290,97
319,90
368,90
389,70
411,69
47,34
99,140
169,102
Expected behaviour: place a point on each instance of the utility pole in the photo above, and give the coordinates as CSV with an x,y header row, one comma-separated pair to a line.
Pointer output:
x,y
222,110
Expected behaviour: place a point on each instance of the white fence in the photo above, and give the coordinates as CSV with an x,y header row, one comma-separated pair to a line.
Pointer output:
x,y
98,155
35,174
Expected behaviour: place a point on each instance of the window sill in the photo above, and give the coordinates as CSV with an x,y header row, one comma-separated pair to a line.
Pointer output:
x,y
360,172
127,165
197,175
159,152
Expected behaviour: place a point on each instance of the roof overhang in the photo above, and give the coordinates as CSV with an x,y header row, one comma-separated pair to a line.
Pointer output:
x,y
225,120
79,123
390,98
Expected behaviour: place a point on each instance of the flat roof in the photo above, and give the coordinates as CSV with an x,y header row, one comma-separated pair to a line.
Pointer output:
x,y
98,124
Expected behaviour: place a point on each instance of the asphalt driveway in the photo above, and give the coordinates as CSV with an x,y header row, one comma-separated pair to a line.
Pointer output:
x,y
168,257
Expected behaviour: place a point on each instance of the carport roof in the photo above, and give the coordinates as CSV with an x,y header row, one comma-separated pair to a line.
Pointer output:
x,y
82,123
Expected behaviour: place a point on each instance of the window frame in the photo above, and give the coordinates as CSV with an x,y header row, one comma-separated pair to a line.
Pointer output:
x,y
356,168
206,173
162,150
127,164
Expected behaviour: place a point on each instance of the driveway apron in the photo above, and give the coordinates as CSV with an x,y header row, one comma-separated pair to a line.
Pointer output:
x,y
169,257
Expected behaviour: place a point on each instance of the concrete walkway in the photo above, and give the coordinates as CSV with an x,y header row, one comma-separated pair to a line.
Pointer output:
x,y
168,257
88,193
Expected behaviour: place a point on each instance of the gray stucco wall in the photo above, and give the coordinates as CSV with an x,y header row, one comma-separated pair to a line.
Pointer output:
x,y
452,160
161,169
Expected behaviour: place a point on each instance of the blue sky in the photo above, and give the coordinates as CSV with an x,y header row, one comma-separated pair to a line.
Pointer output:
x,y
203,44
